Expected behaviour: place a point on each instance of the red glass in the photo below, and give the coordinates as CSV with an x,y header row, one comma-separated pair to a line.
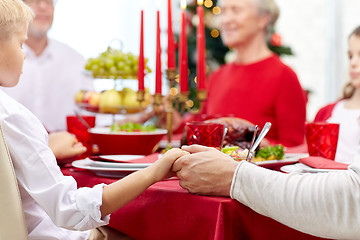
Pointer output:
x,y
76,127
322,139
207,134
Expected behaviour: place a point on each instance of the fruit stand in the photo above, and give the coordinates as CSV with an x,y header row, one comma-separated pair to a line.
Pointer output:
x,y
116,66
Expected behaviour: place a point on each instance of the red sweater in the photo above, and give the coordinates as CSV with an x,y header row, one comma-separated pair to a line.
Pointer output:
x,y
325,112
266,91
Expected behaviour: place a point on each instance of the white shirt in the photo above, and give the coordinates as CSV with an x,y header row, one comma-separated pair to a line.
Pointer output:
x,y
323,204
49,82
47,195
349,132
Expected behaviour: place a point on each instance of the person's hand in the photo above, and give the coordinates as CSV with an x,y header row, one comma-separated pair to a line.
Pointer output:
x,y
162,168
205,171
65,146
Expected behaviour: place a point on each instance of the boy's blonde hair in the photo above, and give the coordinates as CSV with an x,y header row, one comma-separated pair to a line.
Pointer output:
x,y
13,15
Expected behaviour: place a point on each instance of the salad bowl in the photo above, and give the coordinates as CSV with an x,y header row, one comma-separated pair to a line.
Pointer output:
x,y
122,142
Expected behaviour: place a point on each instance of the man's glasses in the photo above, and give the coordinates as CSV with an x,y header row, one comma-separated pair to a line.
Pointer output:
x,y
38,2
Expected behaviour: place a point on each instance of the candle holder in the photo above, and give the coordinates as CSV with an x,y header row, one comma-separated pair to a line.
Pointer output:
x,y
140,96
179,100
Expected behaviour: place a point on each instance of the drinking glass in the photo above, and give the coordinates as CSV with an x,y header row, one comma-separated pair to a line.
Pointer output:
x,y
76,127
202,133
322,139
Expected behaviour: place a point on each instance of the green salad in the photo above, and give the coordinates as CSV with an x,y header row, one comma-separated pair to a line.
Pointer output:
x,y
270,153
132,127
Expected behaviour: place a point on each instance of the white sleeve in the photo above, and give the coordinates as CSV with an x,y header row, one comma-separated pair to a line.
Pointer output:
x,y
39,175
323,204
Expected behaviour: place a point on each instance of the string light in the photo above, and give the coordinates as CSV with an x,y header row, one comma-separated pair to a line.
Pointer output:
x,y
216,10
173,91
214,33
190,103
208,3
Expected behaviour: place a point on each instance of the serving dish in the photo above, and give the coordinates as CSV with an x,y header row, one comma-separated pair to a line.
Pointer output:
x,y
132,143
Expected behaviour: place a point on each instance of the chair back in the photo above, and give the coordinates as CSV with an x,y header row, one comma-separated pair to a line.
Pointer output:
x,y
12,220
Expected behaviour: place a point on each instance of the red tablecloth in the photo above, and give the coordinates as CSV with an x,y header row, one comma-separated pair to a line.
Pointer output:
x,y
166,211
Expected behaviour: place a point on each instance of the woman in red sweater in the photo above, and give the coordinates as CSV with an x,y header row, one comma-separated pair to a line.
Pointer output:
x,y
257,86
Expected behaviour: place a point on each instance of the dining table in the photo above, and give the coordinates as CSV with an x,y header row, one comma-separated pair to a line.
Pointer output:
x,y
167,211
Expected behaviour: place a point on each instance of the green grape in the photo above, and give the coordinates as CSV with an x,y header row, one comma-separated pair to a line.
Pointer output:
x,y
135,68
109,63
95,68
127,69
88,66
131,56
113,70
102,71
148,70
120,66
113,62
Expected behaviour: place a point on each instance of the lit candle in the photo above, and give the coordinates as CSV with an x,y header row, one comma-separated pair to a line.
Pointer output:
x,y
158,56
141,63
171,41
200,42
183,69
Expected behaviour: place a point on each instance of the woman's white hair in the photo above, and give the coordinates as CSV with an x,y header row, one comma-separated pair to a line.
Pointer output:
x,y
13,15
269,7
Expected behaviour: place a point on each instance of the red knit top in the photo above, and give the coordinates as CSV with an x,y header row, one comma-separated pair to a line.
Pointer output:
x,y
266,91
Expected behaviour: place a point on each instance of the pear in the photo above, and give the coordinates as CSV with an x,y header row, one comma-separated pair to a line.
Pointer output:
x,y
129,98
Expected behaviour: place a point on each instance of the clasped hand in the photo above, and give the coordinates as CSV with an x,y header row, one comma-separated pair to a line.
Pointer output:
x,y
205,170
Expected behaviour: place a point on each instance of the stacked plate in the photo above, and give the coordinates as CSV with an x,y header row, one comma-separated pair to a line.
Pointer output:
x,y
113,165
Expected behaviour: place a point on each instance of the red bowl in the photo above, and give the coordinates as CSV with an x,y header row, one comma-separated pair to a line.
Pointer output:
x,y
134,143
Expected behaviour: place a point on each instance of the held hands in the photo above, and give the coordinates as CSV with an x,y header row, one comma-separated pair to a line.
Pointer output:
x,y
162,168
65,146
205,171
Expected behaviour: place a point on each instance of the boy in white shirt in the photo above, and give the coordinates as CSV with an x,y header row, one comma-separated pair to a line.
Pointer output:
x,y
53,206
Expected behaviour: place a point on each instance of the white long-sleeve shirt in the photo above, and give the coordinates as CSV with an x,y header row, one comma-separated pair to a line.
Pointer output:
x,y
349,132
49,83
49,198
323,204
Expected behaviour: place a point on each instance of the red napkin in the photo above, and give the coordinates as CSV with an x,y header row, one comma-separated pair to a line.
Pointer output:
x,y
147,159
323,163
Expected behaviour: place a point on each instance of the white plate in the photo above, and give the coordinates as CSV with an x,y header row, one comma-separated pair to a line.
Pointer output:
x,y
174,143
115,164
302,168
288,159
104,171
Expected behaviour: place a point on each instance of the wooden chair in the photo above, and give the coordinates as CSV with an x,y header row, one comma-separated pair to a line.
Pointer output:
x,y
12,221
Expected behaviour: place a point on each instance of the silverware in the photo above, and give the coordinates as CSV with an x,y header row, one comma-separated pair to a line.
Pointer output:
x,y
82,120
223,137
262,134
252,142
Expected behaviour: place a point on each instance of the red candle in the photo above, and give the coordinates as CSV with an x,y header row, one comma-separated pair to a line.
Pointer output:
x,y
171,42
183,69
158,56
141,63
200,42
